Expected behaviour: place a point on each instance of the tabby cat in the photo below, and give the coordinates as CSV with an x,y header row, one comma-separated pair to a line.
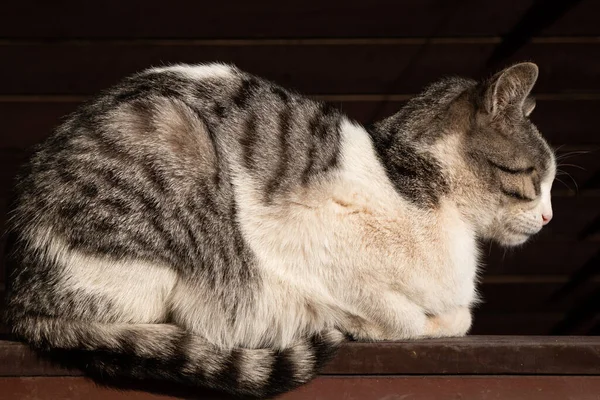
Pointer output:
x,y
200,225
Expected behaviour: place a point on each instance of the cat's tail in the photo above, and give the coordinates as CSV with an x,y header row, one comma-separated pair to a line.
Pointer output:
x,y
167,352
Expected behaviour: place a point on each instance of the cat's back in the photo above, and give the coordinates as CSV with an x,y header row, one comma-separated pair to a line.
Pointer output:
x,y
194,116
150,166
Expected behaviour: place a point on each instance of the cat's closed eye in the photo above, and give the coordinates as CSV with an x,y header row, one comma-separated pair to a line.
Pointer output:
x,y
512,170
516,195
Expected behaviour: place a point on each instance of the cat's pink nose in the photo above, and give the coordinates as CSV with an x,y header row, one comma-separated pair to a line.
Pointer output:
x,y
546,218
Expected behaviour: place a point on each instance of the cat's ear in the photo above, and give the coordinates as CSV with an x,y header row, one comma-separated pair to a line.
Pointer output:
x,y
528,106
511,87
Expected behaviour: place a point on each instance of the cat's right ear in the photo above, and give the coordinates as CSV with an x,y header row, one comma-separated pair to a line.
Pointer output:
x,y
510,87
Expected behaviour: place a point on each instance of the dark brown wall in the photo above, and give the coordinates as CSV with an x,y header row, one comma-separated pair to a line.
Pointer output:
x,y
366,57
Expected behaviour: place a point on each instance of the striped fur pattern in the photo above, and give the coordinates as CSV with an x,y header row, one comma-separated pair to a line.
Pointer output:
x,y
201,225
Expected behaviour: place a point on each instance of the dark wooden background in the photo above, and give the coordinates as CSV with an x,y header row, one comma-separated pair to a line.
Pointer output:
x,y
367,57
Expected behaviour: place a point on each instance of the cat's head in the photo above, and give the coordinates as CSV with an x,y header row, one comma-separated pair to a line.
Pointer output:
x,y
511,163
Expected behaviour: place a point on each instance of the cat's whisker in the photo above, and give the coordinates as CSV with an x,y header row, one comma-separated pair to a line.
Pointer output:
x,y
574,181
572,165
561,181
571,153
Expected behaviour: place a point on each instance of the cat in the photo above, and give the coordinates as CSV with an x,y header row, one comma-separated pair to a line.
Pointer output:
x,y
201,225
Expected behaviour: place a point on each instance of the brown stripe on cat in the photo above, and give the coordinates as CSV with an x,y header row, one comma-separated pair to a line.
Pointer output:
x,y
307,171
246,90
324,137
537,184
248,140
284,132
334,145
315,126
146,84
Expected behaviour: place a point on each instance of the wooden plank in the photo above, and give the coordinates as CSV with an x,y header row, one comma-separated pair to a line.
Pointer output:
x,y
471,355
520,295
18,360
546,255
526,323
581,20
572,215
329,388
446,388
28,123
3,218
567,121
560,121
10,161
81,68
76,388
310,18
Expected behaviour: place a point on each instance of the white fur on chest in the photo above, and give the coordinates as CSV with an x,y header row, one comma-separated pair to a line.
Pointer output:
x,y
430,254
354,231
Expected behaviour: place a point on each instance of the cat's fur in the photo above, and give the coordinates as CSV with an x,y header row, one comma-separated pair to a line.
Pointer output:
x,y
205,226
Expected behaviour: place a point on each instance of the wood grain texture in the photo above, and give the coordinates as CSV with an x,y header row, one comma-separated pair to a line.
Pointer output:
x,y
526,323
546,255
539,294
472,355
271,18
446,388
311,18
86,68
328,388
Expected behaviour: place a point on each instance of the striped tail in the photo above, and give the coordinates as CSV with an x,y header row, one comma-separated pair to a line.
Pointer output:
x,y
167,352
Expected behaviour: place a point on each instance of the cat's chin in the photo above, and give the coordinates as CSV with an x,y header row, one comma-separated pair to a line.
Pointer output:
x,y
513,240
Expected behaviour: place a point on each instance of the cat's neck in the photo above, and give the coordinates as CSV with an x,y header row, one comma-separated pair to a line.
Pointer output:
x,y
420,147
417,175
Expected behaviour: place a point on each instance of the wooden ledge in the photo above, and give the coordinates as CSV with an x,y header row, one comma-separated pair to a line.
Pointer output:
x,y
472,355
475,367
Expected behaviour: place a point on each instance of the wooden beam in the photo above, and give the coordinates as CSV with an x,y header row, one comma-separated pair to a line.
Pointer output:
x,y
471,355
347,388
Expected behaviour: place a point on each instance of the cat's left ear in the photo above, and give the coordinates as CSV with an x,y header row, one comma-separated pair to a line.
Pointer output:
x,y
511,87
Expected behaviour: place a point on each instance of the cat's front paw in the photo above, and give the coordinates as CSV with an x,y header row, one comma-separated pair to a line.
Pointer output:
x,y
360,329
454,323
